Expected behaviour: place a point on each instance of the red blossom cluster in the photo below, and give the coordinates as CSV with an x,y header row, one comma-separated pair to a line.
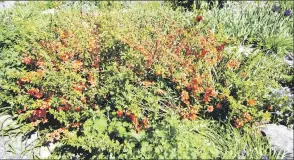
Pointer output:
x,y
134,119
35,92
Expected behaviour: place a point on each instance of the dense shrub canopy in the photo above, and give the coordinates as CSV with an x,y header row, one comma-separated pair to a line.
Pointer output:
x,y
142,82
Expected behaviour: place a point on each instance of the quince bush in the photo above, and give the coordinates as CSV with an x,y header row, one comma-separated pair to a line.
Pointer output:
x,y
110,92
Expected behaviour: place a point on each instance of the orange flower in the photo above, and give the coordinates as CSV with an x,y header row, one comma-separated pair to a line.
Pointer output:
x,y
35,92
243,74
78,109
84,99
210,109
233,64
145,122
44,120
75,124
78,88
251,102
40,63
270,108
45,105
24,79
192,116
119,113
146,83
194,110
219,106
160,92
185,97
63,57
36,123
77,64
247,117
238,123
203,53
27,60
206,99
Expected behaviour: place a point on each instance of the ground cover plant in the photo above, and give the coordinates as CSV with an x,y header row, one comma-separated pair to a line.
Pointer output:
x,y
133,80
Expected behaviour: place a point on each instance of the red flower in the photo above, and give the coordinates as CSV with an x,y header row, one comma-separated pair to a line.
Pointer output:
x,y
219,106
35,92
199,18
38,114
119,113
220,48
78,109
203,53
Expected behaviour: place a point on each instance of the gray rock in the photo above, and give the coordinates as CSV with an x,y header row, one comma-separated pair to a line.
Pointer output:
x,y
280,138
5,120
14,147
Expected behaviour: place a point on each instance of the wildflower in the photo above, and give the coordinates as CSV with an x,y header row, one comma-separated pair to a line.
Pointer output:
x,y
145,122
270,108
44,120
79,88
160,92
192,116
275,8
220,47
219,106
35,92
146,83
84,99
243,74
199,18
19,111
27,60
203,53
233,64
185,97
119,113
75,124
210,109
36,123
24,79
287,12
238,123
40,63
78,109
251,102
77,64
63,57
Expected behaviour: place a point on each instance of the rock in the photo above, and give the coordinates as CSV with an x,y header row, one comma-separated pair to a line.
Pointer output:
x,y
45,152
289,59
280,138
5,120
14,147
6,4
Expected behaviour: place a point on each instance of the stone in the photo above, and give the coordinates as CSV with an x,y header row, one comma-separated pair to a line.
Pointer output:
x,y
5,120
280,137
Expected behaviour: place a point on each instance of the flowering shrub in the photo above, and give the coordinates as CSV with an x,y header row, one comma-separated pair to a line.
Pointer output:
x,y
110,86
